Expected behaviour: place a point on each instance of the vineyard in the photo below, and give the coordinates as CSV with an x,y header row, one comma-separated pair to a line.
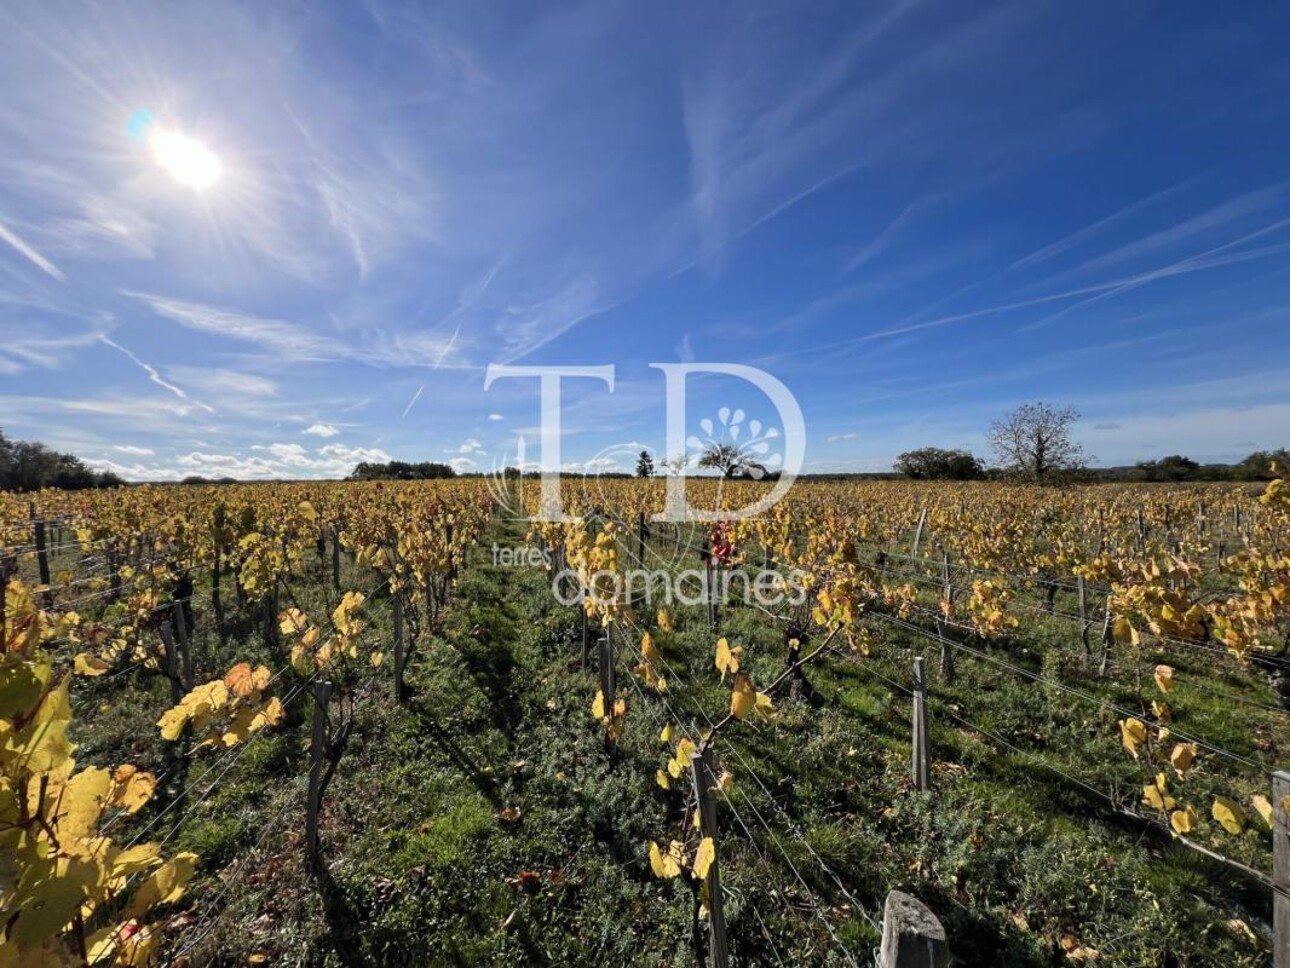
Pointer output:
x,y
329,723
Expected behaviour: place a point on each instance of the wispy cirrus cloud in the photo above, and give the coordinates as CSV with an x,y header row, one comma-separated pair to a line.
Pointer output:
x,y
28,251
153,375
298,343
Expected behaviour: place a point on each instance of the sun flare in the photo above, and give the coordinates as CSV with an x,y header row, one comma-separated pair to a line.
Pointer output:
x,y
189,162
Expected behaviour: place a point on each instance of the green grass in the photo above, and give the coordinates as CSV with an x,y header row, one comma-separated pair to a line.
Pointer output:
x,y
420,869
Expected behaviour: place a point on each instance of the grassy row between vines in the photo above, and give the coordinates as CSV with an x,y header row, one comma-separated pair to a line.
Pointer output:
x,y
485,822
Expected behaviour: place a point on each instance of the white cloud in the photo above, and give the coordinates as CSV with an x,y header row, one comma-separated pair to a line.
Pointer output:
x,y
471,446
153,375
30,253
229,385
296,343
495,416
849,435
461,464
134,451
283,460
320,430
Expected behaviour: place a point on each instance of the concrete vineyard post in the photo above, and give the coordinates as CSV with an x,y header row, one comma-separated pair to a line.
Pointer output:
x,y
921,765
704,783
918,534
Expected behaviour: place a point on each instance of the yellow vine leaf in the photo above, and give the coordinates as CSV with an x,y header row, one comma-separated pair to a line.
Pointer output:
x,y
664,620
1164,677
727,658
165,885
745,700
1154,795
666,865
598,706
648,649
1229,813
663,780
131,788
703,857
89,665
292,621
1182,757
1263,807
244,682
1183,820
685,748
1133,733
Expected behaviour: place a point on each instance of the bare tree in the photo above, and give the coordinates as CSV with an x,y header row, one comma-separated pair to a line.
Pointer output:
x,y
732,461
1035,440
673,466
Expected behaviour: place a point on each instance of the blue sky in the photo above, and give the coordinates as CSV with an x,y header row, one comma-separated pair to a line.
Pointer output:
x,y
915,215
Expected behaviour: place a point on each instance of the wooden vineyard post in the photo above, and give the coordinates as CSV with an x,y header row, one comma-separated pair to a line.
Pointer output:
x,y
586,634
400,656
174,664
947,653
605,654
1083,614
114,571
918,535
1108,636
42,557
922,768
322,691
704,783
1281,869
216,605
185,645
335,557
452,559
640,538
710,591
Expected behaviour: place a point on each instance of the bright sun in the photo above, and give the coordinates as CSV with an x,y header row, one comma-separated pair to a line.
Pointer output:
x,y
188,162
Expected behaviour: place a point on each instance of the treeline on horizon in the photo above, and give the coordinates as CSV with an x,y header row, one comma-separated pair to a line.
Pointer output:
x,y
28,465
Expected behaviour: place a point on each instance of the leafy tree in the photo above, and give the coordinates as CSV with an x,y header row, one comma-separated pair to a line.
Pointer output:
x,y
731,461
6,460
1035,441
1175,467
399,470
1258,466
644,465
936,464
